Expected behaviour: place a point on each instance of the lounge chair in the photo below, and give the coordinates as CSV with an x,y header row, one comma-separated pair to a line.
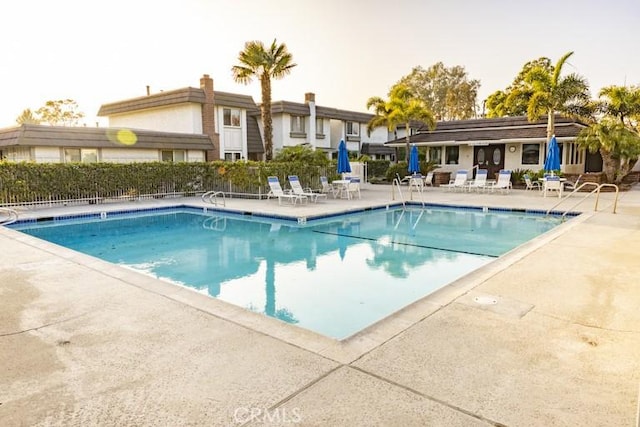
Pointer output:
x,y
503,183
459,182
428,180
480,183
277,191
531,185
327,188
296,188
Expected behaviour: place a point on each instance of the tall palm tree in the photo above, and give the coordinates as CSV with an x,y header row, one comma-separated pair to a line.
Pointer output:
x,y
264,64
621,102
402,107
553,94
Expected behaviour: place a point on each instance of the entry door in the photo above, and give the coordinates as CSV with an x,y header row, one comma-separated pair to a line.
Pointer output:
x,y
489,157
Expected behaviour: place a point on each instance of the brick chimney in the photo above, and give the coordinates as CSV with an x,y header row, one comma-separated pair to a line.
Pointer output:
x,y
209,118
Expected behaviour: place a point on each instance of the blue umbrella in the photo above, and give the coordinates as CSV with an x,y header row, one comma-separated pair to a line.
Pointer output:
x,y
343,158
552,162
414,164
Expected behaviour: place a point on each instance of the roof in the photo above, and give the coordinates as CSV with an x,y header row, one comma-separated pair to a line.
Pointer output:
x,y
92,137
369,148
503,129
254,138
300,109
178,96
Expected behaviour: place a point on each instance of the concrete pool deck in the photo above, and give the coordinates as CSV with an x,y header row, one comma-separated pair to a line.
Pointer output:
x,y
84,342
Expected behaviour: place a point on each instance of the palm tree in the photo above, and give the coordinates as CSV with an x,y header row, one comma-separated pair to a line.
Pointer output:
x,y
621,102
618,145
264,64
402,107
553,94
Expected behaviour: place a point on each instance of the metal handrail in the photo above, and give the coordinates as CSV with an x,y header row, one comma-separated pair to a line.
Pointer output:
x,y
12,216
212,197
595,190
615,202
396,183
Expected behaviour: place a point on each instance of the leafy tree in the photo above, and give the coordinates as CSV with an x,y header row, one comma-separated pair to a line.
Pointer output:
x,y
622,103
514,99
265,64
618,145
402,107
615,135
304,154
27,117
62,112
553,94
540,87
448,91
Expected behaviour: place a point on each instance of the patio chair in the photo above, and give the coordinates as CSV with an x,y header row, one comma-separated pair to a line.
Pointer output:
x,y
459,182
503,183
572,185
552,183
277,191
480,183
531,185
327,188
353,188
296,188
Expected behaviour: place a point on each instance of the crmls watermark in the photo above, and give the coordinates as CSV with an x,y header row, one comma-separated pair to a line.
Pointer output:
x,y
280,415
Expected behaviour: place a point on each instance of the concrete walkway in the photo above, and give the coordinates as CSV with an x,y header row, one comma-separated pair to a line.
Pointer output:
x,y
84,342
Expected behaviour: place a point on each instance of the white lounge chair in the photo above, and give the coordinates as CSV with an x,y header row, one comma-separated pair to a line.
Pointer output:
x,y
277,191
503,183
428,180
570,185
296,187
480,183
459,182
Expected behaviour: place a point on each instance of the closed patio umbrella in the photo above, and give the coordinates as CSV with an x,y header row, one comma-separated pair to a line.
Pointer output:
x,y
343,158
414,164
552,162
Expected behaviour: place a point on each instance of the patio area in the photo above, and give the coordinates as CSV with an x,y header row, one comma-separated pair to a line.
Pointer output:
x,y
85,342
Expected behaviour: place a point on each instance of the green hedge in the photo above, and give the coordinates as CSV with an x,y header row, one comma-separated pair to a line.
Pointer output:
x,y
32,182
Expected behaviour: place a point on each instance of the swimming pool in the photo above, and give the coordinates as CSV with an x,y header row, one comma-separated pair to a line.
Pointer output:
x,y
335,275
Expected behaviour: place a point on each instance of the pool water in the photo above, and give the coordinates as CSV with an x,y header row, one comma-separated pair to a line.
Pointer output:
x,y
334,276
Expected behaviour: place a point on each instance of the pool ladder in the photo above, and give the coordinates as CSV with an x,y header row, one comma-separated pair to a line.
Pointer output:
x,y
8,216
397,183
215,223
595,191
212,197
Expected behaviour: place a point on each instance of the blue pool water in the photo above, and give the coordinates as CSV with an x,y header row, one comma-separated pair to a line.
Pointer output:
x,y
335,276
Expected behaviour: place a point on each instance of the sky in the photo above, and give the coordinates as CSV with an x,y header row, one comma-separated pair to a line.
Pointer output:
x,y
101,51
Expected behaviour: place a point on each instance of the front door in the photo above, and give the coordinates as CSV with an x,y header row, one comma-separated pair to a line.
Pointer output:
x,y
489,157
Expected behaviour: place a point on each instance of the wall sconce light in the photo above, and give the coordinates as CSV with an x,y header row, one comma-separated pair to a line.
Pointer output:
x,y
512,149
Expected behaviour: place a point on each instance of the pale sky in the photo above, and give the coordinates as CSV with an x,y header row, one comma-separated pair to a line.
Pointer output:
x,y
97,52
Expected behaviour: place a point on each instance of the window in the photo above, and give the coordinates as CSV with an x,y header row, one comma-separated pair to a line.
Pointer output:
x,y
530,154
319,127
232,117
173,156
232,157
353,128
297,124
452,153
78,155
435,154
